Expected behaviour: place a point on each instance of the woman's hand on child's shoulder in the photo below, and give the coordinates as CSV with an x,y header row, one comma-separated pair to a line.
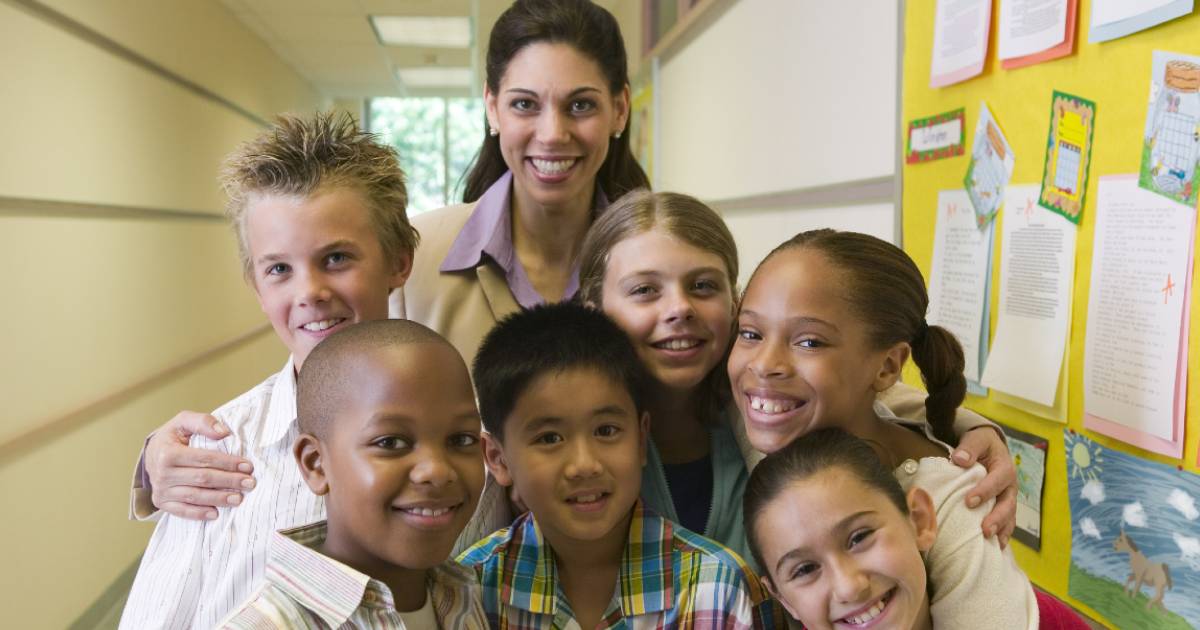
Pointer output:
x,y
191,482
984,445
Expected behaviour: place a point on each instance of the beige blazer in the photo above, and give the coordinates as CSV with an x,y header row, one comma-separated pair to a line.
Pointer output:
x,y
462,306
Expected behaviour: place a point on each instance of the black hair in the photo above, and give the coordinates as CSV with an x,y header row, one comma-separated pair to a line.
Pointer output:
x,y
807,455
545,339
589,29
322,381
884,287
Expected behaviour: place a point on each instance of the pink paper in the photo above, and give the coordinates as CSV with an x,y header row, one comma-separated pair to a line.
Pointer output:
x,y
1061,50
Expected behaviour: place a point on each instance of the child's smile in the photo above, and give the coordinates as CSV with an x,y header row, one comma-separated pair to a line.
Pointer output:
x,y
802,358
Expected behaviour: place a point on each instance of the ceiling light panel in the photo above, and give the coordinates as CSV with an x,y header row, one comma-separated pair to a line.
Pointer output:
x,y
433,31
435,77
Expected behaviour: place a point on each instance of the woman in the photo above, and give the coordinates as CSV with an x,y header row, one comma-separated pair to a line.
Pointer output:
x,y
555,152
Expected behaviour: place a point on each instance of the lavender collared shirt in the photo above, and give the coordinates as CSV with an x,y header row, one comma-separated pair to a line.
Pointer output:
x,y
488,232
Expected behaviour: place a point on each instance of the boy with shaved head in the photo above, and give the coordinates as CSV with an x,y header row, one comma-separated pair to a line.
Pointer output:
x,y
390,438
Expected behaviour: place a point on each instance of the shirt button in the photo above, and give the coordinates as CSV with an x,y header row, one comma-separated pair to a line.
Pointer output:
x,y
909,467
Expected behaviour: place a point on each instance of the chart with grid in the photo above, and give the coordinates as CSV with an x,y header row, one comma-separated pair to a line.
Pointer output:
x,y
988,177
1174,150
1066,169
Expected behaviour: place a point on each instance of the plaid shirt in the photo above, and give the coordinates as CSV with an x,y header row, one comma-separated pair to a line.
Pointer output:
x,y
307,590
669,578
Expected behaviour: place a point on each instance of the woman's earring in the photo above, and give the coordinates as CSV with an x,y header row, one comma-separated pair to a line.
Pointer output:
x,y
617,136
493,132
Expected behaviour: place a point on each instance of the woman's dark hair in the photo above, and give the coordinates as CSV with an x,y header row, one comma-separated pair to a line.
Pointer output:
x,y
593,32
885,289
807,455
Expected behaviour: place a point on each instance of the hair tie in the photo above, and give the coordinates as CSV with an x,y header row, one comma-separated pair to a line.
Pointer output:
x,y
922,332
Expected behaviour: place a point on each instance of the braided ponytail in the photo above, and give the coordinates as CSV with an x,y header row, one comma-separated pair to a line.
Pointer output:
x,y
940,358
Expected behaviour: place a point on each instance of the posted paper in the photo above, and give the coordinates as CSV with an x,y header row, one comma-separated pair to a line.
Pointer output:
x,y
1134,377
1171,150
1068,155
1117,18
1030,26
1054,52
1029,457
990,169
958,279
960,39
936,137
1037,267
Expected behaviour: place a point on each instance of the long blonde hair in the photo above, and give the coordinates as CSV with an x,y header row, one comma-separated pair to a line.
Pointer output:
x,y
683,217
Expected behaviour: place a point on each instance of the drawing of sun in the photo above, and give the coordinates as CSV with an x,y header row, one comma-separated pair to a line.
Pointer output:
x,y
1083,457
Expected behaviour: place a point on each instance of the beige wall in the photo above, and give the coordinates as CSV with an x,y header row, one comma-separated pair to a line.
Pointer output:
x,y
106,283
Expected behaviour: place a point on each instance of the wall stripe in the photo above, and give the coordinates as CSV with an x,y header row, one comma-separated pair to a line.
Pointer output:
x,y
858,192
23,439
51,208
87,34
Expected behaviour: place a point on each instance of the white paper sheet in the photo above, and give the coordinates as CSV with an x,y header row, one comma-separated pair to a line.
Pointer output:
x,y
1037,266
1109,11
958,279
1137,302
960,37
1030,26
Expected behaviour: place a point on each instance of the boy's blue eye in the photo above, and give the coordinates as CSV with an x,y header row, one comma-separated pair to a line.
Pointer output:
x,y
337,258
278,269
706,286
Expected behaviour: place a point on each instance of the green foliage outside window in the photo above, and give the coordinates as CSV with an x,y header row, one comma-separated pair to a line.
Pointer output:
x,y
437,139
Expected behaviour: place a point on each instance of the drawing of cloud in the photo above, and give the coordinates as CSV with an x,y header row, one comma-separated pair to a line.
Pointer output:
x,y
1189,550
1134,514
1089,529
1183,502
1093,491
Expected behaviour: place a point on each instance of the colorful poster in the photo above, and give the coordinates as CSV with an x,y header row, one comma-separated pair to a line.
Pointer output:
x,y
936,137
1171,151
1135,537
1068,155
990,169
1029,457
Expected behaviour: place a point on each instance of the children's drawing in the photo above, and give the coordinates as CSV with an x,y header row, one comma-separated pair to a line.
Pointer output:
x,y
1171,151
1135,537
1029,457
1068,155
990,169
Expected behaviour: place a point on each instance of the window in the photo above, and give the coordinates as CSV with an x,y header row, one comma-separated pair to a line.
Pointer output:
x,y
437,139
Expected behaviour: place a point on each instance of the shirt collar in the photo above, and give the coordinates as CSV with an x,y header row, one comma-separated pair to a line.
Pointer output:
x,y
489,231
281,407
328,588
646,578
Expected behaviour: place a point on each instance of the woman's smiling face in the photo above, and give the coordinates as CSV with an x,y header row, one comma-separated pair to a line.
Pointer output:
x,y
556,116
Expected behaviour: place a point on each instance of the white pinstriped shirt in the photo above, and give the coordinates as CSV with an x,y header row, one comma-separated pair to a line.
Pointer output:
x,y
194,573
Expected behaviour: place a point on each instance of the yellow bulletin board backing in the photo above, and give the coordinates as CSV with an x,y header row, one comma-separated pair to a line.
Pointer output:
x,y
1115,75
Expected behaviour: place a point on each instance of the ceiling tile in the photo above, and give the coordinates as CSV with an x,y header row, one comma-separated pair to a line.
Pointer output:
x,y
308,29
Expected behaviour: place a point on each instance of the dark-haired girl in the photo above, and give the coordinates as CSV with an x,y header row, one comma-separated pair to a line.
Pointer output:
x,y
826,323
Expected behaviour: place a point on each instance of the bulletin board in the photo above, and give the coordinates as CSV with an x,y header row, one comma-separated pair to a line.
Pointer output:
x,y
1115,75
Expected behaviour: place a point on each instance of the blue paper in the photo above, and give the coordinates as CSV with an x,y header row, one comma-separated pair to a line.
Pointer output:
x,y
1141,22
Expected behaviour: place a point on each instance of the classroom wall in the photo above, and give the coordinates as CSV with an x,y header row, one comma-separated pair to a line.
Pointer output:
x,y
115,117
782,107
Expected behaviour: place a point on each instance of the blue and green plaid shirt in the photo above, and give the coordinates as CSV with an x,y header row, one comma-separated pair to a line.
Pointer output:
x,y
669,578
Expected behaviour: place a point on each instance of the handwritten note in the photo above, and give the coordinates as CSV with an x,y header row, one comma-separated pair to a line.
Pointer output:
x,y
958,279
1134,366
